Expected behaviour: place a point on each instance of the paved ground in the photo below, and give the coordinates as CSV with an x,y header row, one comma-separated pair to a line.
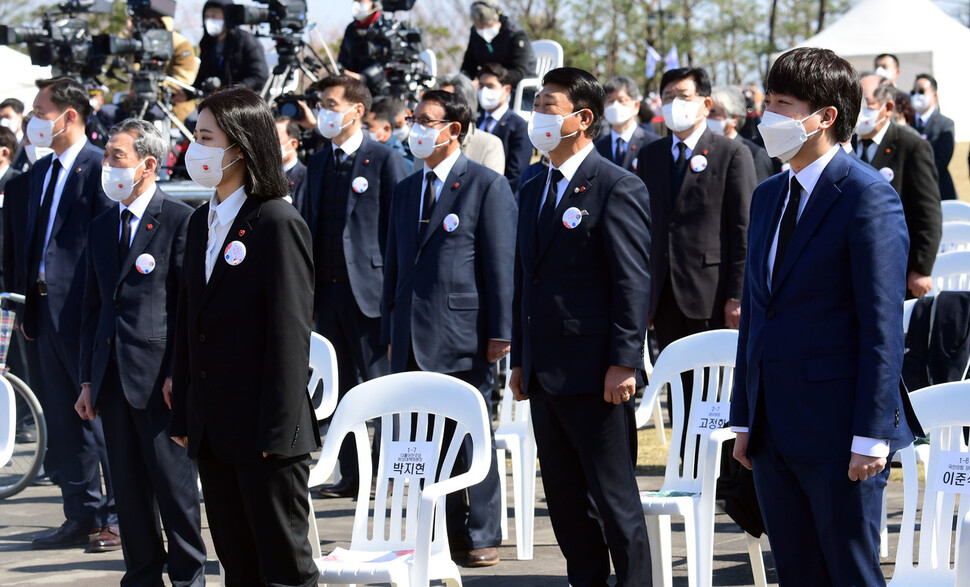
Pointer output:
x,y
38,508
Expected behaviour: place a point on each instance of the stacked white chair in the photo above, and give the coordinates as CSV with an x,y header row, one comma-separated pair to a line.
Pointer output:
x,y
549,55
951,272
955,237
955,211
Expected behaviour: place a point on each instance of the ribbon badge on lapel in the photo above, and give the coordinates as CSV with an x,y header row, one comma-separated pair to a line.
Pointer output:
x,y
698,163
572,217
145,263
450,223
235,253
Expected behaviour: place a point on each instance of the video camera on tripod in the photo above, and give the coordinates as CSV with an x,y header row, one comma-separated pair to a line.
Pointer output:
x,y
396,46
287,21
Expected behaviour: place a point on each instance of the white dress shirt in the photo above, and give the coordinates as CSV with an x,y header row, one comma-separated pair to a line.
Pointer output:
x,y
494,117
221,217
925,117
626,135
690,143
874,146
67,159
351,145
137,209
568,169
441,175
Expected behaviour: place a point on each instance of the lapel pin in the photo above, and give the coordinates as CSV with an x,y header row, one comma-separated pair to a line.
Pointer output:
x,y
698,163
235,253
633,147
78,170
455,186
888,150
242,232
145,263
704,152
359,185
579,190
366,161
149,226
450,223
887,173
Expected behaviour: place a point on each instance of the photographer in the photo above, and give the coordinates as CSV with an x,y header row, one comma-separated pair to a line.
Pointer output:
x,y
497,39
355,51
228,54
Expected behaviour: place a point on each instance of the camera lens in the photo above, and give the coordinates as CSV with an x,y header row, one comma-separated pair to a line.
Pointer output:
x,y
291,110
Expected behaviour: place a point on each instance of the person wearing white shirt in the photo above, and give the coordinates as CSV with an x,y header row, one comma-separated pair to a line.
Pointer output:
x,y
626,138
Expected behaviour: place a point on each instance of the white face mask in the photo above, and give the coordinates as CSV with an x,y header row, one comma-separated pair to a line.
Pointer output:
x,y
490,98
401,133
119,182
214,26
545,130
204,164
680,115
868,121
784,136
331,122
34,152
8,124
360,11
717,126
41,132
617,113
285,152
883,72
921,102
489,33
423,140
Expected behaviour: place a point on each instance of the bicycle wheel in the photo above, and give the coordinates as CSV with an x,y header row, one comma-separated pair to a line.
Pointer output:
x,y
29,450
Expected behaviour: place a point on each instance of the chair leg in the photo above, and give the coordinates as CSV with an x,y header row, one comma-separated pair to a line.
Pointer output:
x,y
314,532
658,532
884,529
525,531
658,422
697,554
503,493
757,561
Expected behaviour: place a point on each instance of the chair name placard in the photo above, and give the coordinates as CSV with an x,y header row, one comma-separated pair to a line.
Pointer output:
x,y
708,417
411,459
953,472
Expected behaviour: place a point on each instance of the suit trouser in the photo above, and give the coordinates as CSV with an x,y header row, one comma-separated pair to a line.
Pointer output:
x,y
258,517
585,447
823,528
152,476
76,453
360,356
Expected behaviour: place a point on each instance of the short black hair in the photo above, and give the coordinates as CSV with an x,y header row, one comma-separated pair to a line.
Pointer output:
x,y
385,109
821,78
885,91
8,140
929,78
889,55
248,123
583,90
623,83
14,104
355,91
67,93
702,81
456,109
504,76
292,128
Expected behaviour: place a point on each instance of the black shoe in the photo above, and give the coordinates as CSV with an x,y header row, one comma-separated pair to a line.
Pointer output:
x,y
342,489
71,533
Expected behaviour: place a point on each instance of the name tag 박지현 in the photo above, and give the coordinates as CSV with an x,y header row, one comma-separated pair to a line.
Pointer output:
x,y
953,472
708,417
412,459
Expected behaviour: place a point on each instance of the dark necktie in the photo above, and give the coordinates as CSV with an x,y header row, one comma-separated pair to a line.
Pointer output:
x,y
43,218
866,143
125,241
546,223
620,152
680,168
919,124
787,227
486,122
339,157
429,200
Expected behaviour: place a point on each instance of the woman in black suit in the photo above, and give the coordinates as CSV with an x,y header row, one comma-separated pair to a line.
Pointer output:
x,y
239,399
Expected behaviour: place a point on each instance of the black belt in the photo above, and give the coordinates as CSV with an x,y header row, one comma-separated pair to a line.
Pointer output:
x,y
41,288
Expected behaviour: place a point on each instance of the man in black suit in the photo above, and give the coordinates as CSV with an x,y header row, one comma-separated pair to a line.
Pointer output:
x,y
700,189
127,333
65,195
448,287
906,162
289,135
348,199
936,129
582,277
626,139
495,91
728,116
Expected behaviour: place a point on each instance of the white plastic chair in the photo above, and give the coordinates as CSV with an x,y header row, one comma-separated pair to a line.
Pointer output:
x,y
962,562
711,356
323,377
430,61
8,421
408,544
549,55
955,237
951,272
942,410
657,411
955,210
514,434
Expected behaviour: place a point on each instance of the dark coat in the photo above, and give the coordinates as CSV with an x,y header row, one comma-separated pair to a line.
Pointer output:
x,y
511,49
243,61
513,131
16,201
640,139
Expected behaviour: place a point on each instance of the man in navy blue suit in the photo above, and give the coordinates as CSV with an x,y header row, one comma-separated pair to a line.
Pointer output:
x,y
134,263
496,83
625,139
65,195
582,283
346,206
817,403
447,304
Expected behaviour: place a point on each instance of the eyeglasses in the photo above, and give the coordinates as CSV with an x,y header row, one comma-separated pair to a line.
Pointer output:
x,y
669,99
410,121
918,91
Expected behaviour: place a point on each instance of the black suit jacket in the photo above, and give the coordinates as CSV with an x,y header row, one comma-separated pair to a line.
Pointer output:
x,y
447,293
699,235
242,340
938,130
81,200
640,139
365,231
297,177
581,296
511,49
513,131
130,313
16,199
8,175
763,165
243,61
914,179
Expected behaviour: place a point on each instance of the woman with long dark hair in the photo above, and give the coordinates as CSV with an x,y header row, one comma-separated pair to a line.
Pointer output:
x,y
239,399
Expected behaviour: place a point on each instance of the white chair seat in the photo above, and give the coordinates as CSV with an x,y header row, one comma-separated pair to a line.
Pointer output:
x,y
383,566
955,210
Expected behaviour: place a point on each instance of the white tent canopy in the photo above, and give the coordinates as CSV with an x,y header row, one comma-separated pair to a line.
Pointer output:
x,y
19,76
925,39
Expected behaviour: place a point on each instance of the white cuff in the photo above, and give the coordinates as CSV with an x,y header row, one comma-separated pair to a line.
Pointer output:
x,y
739,429
870,447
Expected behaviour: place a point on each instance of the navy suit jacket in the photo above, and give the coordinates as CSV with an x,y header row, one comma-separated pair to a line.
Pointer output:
x,y
513,131
447,293
296,175
82,199
581,297
938,131
365,231
16,199
130,313
825,344
640,139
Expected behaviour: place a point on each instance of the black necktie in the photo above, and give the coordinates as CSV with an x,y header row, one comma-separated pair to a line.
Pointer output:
x,y
43,218
919,124
546,223
486,122
787,227
429,199
339,155
125,241
620,152
866,143
680,168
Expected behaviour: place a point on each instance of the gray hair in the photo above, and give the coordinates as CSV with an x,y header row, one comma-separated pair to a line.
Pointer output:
x,y
464,89
149,142
485,12
732,100
625,83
